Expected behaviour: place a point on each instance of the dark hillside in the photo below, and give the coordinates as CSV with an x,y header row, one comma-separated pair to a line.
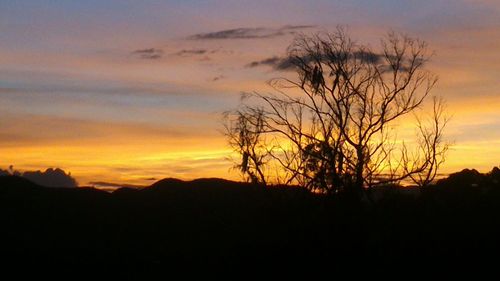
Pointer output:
x,y
213,221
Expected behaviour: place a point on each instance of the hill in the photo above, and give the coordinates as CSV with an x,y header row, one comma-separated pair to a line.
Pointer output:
x,y
220,222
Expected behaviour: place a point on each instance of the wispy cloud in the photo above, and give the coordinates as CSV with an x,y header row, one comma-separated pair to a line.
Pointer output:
x,y
296,27
289,62
191,52
112,185
151,53
278,63
237,33
217,78
249,33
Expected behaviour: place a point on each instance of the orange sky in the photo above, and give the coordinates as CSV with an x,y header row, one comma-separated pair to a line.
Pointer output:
x,y
78,93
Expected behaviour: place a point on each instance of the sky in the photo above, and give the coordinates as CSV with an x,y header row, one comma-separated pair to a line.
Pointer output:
x,y
133,91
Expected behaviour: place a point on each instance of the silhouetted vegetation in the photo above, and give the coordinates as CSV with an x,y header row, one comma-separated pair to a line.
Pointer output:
x,y
331,128
220,222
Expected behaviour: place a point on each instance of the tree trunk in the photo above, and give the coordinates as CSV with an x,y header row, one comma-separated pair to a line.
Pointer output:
x,y
357,188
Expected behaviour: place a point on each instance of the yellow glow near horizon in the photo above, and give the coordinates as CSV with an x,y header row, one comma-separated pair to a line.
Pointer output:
x,y
126,164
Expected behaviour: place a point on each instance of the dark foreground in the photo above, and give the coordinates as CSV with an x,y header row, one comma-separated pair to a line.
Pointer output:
x,y
216,222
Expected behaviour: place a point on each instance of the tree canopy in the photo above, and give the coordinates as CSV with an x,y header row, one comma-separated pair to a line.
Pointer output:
x,y
333,127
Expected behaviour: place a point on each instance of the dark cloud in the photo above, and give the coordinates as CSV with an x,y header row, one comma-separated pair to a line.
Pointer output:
x,y
237,33
277,63
151,53
217,78
289,63
104,184
49,178
146,51
10,172
296,27
191,52
249,33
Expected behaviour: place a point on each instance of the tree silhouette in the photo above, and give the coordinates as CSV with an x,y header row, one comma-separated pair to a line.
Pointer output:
x,y
244,134
333,127
431,144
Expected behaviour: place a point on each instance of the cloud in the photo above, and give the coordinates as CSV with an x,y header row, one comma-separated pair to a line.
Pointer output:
x,y
10,172
278,63
237,33
151,53
49,178
184,53
217,78
296,27
186,168
289,62
41,130
201,54
104,184
249,33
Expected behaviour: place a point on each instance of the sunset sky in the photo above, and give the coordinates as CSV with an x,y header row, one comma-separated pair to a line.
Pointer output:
x,y
132,91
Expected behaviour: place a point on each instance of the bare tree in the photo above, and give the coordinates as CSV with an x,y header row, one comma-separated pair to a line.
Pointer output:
x,y
244,132
332,128
431,147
